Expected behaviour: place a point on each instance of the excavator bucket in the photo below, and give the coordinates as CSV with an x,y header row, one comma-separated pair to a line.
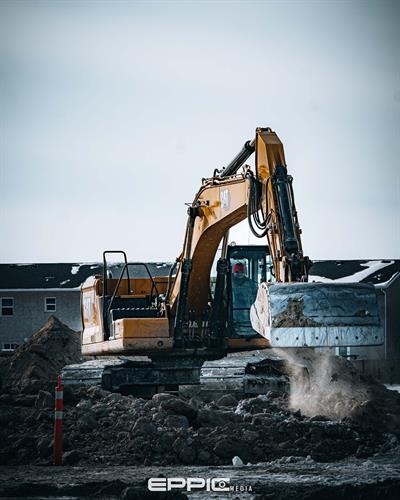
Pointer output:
x,y
317,314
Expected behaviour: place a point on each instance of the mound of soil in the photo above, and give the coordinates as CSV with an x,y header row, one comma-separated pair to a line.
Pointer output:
x,y
36,363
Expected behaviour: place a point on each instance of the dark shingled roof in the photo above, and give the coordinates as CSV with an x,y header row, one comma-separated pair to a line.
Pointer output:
x,y
66,276
72,275
372,271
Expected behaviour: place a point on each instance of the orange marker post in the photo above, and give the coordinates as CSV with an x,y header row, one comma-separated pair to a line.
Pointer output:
x,y
58,420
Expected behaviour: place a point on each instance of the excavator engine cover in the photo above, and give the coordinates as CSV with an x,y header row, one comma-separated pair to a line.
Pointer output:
x,y
317,314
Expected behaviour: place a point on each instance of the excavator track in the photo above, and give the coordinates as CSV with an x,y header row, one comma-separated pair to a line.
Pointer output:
x,y
241,375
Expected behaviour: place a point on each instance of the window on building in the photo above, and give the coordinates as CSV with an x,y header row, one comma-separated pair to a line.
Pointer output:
x,y
7,306
9,346
49,304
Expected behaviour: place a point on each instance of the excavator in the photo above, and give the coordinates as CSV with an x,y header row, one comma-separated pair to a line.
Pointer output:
x,y
260,297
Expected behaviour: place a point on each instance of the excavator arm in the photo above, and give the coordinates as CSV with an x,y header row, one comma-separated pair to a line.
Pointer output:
x,y
126,315
176,322
299,314
264,197
271,189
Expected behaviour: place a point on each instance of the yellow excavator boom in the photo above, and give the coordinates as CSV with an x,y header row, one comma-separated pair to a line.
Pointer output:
x,y
177,315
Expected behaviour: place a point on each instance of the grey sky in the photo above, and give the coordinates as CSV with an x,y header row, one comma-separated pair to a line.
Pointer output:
x,y
112,112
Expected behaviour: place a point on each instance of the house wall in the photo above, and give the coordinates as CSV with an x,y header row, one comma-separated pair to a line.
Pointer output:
x,y
29,313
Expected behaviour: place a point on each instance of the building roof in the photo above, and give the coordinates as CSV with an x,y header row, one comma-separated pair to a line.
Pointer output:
x,y
66,275
71,275
376,272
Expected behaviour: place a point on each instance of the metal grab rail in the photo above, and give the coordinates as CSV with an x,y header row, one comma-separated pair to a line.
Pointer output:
x,y
126,266
105,324
105,268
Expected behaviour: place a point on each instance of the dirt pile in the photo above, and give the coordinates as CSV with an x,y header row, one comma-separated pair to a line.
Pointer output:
x,y
105,428
336,389
36,363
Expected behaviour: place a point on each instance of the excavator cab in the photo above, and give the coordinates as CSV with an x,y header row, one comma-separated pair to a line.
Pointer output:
x,y
249,266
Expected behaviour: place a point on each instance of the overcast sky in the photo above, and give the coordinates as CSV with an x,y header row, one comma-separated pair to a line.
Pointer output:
x,y
112,112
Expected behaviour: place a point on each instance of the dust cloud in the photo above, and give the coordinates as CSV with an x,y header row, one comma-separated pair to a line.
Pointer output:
x,y
323,384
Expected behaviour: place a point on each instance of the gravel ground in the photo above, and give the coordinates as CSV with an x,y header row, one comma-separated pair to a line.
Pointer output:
x,y
297,479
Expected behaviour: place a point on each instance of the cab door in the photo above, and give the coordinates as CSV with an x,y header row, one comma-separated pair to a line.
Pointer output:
x,y
248,267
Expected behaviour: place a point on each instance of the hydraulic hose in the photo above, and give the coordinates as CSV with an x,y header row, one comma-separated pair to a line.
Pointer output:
x,y
258,221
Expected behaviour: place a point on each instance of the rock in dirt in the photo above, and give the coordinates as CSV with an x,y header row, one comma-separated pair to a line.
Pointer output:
x,y
237,461
179,407
207,417
175,421
227,400
253,405
163,396
84,405
144,426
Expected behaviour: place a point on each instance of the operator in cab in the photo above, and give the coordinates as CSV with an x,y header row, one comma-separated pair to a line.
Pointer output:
x,y
244,291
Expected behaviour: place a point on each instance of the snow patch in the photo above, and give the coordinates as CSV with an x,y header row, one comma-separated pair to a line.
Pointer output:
x,y
75,269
